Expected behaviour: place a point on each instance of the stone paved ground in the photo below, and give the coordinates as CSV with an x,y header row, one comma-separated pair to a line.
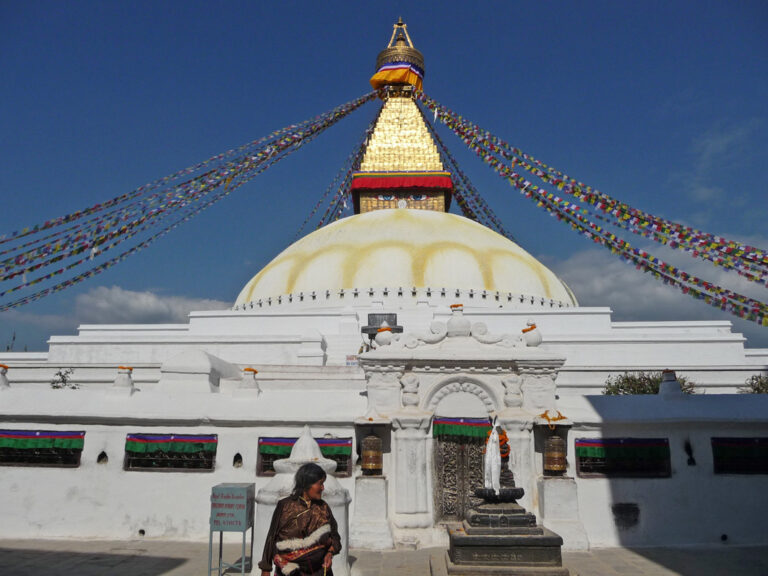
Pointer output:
x,y
156,558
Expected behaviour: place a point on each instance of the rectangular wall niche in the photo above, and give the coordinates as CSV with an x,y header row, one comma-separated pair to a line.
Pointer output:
x,y
623,457
46,448
337,449
170,452
740,455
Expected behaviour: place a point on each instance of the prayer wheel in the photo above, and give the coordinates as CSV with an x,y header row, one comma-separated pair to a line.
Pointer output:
x,y
372,456
554,456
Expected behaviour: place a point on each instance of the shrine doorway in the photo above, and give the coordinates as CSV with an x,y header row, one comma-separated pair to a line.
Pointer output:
x,y
459,430
458,470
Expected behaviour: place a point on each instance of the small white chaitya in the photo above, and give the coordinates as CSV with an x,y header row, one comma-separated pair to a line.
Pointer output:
x,y
305,451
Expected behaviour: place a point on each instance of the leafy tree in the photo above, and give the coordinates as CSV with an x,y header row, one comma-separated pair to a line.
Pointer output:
x,y
641,383
755,384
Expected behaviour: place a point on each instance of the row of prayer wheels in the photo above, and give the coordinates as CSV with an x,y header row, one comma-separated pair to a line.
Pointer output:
x,y
555,462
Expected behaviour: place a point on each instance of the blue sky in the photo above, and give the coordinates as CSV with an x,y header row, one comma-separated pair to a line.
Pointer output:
x,y
661,104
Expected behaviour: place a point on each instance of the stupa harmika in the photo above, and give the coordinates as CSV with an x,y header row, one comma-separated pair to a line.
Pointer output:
x,y
220,398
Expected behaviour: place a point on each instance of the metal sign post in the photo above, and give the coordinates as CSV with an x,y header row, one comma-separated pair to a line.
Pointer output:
x,y
232,507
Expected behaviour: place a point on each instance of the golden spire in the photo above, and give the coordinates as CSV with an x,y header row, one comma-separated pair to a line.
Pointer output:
x,y
401,167
400,141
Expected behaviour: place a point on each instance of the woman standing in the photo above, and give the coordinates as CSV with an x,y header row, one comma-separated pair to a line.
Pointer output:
x,y
303,536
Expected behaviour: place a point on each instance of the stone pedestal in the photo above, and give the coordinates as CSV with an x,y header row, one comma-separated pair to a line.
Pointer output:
x,y
559,507
370,527
410,448
499,537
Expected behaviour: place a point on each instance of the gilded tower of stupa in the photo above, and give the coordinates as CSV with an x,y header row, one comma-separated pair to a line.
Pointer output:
x,y
401,167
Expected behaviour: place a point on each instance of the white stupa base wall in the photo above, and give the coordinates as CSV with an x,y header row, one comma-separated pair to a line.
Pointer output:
x,y
370,527
559,511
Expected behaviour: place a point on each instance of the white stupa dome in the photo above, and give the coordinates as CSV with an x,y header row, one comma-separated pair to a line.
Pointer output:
x,y
409,249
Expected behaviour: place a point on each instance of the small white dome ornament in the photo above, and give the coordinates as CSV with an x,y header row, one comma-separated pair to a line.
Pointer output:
x,y
249,381
123,384
531,334
124,378
457,324
670,386
383,335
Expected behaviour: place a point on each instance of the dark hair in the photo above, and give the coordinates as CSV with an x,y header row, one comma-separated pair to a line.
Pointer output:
x,y
307,475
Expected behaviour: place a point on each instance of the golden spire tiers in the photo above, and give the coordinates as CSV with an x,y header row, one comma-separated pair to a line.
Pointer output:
x,y
401,167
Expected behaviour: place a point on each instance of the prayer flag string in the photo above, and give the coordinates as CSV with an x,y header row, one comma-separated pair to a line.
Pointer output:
x,y
469,199
122,221
231,175
341,182
750,262
574,215
244,149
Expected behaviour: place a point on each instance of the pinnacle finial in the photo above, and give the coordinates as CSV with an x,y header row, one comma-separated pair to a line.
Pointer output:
x,y
400,63
398,30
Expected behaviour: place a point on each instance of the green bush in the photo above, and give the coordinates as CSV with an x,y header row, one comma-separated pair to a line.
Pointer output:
x,y
756,384
641,383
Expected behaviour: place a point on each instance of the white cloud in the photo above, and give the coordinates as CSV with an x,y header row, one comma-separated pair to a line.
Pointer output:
x,y
720,145
599,278
103,305
723,143
16,317
100,305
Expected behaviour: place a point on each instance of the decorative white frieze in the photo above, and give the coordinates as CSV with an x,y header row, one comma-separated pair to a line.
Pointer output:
x,y
538,383
460,328
410,384
513,397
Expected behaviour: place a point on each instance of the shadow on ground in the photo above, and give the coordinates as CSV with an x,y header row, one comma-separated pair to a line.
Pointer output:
x,y
694,561
27,562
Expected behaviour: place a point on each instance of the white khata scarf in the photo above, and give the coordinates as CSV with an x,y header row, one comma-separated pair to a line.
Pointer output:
x,y
493,461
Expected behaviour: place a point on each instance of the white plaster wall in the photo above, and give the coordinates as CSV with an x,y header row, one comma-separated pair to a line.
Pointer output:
x,y
105,501
328,330
692,507
129,351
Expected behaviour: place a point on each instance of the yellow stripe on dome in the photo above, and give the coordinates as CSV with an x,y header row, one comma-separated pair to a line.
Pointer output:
x,y
405,248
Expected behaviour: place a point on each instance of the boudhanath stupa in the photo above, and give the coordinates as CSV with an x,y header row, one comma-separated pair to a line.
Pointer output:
x,y
405,322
